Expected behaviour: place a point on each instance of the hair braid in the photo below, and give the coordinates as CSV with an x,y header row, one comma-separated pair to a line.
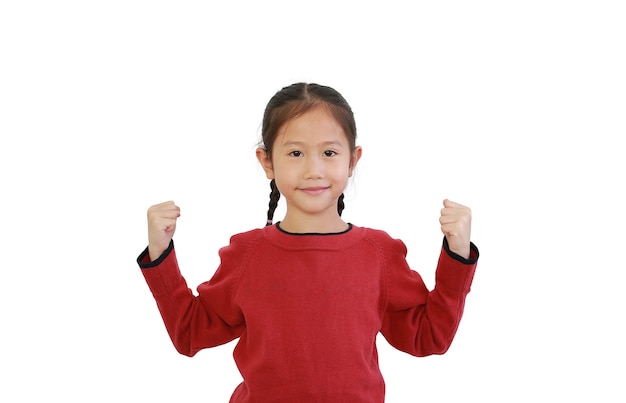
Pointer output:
x,y
340,205
274,196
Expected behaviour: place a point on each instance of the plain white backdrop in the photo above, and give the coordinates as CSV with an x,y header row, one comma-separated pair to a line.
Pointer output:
x,y
516,109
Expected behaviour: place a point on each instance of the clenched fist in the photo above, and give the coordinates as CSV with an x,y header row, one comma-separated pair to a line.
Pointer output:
x,y
161,226
456,225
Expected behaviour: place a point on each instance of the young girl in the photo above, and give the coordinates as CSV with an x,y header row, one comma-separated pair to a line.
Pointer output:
x,y
307,296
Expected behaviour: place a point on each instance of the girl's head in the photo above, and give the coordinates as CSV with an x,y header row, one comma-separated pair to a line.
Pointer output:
x,y
288,106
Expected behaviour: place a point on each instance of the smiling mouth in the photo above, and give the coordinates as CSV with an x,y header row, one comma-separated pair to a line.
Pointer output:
x,y
314,190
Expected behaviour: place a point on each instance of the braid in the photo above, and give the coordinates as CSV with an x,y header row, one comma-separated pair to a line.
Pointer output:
x,y
274,196
340,205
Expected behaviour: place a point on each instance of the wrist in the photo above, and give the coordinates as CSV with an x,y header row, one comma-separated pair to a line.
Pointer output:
x,y
154,252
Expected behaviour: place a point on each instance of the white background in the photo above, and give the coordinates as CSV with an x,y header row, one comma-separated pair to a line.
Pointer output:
x,y
516,109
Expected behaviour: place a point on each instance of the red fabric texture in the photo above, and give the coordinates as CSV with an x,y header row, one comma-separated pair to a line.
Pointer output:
x,y
307,310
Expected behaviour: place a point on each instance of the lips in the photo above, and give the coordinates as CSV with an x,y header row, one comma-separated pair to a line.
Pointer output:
x,y
314,191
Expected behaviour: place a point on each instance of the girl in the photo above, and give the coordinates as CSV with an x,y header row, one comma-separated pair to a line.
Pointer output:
x,y
307,296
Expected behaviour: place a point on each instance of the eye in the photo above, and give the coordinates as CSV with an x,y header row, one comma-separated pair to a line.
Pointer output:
x,y
296,153
329,153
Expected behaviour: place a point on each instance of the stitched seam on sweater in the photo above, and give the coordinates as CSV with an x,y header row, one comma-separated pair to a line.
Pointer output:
x,y
170,302
245,263
460,304
384,276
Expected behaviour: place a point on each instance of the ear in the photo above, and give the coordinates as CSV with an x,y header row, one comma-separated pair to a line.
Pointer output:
x,y
356,156
266,162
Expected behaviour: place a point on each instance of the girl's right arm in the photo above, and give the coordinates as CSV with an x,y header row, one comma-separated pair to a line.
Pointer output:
x,y
191,323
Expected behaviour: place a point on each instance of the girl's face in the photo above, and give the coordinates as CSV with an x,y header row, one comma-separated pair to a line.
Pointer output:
x,y
311,162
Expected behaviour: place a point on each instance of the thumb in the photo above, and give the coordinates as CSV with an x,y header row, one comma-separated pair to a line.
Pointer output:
x,y
450,203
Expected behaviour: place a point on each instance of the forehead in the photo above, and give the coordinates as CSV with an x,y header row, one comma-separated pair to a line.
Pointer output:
x,y
317,125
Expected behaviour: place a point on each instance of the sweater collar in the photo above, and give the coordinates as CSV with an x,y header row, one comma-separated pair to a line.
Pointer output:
x,y
302,241
312,233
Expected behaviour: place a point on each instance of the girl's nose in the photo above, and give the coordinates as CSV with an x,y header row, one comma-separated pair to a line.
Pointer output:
x,y
314,168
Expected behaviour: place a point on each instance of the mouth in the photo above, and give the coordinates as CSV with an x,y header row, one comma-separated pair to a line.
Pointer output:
x,y
314,191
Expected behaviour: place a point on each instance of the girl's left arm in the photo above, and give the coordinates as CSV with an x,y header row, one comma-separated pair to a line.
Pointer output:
x,y
422,322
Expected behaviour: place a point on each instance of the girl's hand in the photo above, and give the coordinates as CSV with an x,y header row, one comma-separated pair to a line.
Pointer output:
x,y
456,225
161,226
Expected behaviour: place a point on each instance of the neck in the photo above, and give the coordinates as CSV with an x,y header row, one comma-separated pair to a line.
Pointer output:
x,y
318,226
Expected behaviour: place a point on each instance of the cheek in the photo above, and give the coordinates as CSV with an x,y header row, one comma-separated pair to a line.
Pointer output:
x,y
284,172
342,171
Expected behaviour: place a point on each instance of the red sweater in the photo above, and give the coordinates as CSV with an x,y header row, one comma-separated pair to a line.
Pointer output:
x,y
307,309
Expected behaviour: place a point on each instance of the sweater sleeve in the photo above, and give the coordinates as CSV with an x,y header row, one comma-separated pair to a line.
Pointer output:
x,y
422,322
192,322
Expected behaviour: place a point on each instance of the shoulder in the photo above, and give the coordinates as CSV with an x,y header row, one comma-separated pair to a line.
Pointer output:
x,y
240,243
247,236
382,240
